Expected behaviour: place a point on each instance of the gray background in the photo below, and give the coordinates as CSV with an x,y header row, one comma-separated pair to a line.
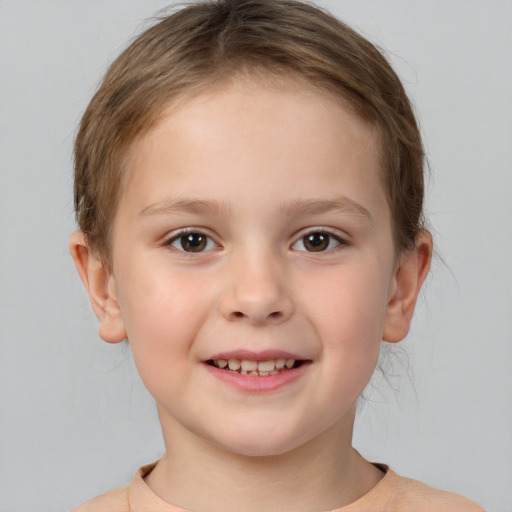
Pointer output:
x,y
75,419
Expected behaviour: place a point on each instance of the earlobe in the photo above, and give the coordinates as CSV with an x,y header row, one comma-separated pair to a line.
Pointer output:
x,y
410,275
100,286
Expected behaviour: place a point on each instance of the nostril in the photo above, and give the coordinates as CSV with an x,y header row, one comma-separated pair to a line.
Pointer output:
x,y
240,314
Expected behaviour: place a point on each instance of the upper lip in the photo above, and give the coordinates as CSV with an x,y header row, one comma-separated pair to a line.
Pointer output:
x,y
250,355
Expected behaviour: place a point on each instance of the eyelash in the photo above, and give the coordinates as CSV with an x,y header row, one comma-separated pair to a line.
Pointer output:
x,y
180,238
329,237
206,243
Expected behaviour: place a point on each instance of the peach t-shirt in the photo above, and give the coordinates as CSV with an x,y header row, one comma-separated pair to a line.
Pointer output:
x,y
392,494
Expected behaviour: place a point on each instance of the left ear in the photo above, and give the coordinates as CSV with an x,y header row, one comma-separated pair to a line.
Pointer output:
x,y
100,285
409,276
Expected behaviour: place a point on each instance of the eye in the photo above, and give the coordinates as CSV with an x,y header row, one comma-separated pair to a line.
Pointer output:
x,y
317,241
192,241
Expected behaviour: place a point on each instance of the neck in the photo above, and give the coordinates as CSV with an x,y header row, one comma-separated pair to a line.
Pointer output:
x,y
323,474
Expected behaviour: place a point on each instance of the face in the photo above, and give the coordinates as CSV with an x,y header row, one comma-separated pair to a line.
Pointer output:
x,y
253,266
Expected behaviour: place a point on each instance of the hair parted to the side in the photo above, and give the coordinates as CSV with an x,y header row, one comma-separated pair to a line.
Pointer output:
x,y
209,42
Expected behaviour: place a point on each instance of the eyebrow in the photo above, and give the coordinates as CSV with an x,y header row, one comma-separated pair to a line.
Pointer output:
x,y
341,205
184,205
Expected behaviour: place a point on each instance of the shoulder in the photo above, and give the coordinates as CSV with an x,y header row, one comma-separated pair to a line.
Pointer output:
x,y
398,494
409,494
112,501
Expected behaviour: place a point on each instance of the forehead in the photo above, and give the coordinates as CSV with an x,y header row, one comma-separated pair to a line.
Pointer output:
x,y
249,82
294,135
256,102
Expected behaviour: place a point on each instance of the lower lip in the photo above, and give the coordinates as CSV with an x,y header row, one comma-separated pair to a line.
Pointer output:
x,y
257,383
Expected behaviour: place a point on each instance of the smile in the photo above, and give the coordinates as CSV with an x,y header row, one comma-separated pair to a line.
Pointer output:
x,y
251,367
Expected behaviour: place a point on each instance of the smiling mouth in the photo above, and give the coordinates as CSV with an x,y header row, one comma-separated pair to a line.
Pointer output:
x,y
259,368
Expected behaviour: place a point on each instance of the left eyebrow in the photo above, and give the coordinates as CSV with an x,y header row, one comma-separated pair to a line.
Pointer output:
x,y
342,205
184,205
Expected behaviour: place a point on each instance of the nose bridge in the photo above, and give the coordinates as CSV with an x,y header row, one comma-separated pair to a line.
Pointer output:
x,y
256,290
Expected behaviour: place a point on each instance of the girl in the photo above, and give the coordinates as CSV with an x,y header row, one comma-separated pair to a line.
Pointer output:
x,y
249,192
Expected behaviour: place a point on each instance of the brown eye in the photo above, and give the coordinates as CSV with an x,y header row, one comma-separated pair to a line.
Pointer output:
x,y
317,241
192,242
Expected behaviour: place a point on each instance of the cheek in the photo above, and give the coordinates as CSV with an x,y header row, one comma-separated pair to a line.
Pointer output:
x,y
162,315
353,302
350,320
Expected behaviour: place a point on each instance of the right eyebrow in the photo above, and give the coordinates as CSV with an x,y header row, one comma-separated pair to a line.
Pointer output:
x,y
342,205
184,205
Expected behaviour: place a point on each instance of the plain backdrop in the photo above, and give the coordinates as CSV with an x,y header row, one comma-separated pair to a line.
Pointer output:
x,y
75,419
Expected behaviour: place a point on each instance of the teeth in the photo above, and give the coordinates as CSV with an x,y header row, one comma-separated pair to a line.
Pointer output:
x,y
234,364
280,363
248,367
266,366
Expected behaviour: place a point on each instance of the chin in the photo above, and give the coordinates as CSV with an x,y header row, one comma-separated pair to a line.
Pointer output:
x,y
259,449
264,442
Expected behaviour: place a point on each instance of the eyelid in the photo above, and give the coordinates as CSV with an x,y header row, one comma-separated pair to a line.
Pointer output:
x,y
340,237
178,233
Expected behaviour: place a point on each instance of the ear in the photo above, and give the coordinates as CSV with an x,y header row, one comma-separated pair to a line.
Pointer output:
x,y
100,286
411,272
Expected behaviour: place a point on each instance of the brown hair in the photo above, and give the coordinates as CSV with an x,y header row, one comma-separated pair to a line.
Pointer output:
x,y
212,41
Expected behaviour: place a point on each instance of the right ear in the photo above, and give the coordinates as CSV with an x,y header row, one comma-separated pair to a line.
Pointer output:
x,y
100,285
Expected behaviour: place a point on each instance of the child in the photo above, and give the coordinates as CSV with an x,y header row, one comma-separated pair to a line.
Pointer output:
x,y
249,187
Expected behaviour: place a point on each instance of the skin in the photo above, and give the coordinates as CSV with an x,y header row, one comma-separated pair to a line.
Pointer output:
x,y
255,169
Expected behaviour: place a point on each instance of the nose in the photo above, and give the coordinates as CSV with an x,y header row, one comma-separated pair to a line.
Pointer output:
x,y
256,292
